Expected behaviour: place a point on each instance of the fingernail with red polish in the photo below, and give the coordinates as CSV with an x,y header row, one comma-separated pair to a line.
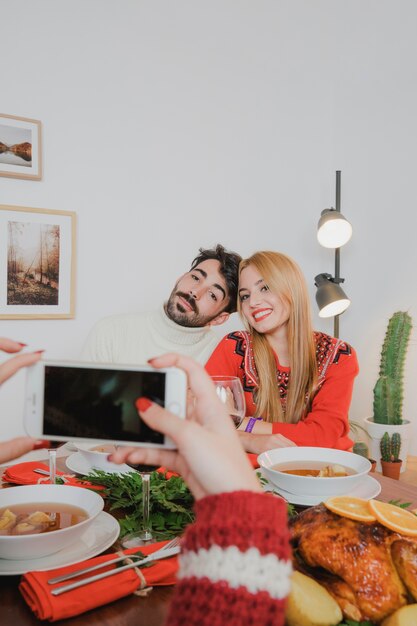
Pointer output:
x,y
143,404
38,351
22,344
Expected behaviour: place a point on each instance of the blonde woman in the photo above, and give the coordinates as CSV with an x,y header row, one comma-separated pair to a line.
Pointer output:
x,y
298,382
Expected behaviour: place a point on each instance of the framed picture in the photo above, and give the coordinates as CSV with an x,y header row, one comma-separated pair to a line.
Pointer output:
x,y
20,147
37,263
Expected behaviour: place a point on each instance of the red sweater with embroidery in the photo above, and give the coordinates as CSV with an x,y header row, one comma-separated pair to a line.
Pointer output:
x,y
235,563
327,423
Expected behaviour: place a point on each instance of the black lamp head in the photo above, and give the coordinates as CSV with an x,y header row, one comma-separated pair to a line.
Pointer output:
x,y
330,297
333,229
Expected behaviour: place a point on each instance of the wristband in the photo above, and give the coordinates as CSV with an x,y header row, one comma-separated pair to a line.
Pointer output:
x,y
251,424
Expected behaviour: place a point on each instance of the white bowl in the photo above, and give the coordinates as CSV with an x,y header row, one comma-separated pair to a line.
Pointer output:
x,y
95,458
33,546
303,457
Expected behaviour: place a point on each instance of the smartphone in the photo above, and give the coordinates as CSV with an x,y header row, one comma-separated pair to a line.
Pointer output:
x,y
83,401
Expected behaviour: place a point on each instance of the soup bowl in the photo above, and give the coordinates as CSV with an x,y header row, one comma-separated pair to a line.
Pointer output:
x,y
275,462
96,453
38,545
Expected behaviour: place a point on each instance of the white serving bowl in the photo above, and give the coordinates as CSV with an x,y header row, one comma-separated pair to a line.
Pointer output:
x,y
95,458
33,546
303,457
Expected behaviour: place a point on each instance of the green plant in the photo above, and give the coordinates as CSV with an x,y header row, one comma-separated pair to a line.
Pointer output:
x,y
171,502
389,388
390,447
360,447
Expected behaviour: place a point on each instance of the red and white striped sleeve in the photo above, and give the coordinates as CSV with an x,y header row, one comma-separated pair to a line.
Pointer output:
x,y
235,564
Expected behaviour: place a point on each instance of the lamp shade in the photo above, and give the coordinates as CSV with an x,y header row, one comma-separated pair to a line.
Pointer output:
x,y
330,297
333,229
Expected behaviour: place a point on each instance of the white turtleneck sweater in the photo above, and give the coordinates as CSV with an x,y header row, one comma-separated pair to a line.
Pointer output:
x,y
133,338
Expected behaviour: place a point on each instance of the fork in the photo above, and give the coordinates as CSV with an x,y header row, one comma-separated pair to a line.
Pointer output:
x,y
38,470
171,548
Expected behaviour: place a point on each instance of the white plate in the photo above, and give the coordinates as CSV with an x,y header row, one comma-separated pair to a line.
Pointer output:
x,y
368,488
102,533
77,463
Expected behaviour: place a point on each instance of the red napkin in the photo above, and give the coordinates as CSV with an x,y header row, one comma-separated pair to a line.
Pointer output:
x,y
23,474
36,591
253,458
167,473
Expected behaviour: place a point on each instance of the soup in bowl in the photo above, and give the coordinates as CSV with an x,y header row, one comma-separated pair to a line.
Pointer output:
x,y
314,471
38,520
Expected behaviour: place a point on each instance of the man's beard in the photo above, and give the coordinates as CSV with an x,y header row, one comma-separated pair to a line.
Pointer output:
x,y
183,317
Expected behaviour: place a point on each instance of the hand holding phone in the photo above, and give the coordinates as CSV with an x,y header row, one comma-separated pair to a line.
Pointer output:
x,y
209,455
90,401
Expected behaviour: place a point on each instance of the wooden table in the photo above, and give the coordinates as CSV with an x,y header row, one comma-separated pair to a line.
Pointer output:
x,y
150,611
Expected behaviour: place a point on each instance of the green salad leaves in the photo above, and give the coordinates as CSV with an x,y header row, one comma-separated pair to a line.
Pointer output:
x,y
171,502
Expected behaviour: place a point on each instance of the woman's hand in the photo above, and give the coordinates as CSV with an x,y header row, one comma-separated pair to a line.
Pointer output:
x,y
15,447
256,444
10,367
209,456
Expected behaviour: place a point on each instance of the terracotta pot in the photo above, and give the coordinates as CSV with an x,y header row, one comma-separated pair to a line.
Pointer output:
x,y
391,469
373,465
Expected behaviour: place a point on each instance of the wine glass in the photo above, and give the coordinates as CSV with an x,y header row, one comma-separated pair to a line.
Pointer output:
x,y
230,391
145,535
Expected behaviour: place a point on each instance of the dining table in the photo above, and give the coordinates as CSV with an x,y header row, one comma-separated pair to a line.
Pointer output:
x,y
151,610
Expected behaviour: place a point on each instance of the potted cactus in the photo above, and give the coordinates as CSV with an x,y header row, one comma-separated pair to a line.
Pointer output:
x,y
389,388
390,455
361,448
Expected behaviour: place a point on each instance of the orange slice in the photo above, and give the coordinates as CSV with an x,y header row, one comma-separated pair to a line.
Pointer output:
x,y
353,508
394,518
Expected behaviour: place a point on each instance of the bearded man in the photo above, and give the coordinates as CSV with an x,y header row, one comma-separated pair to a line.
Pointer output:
x,y
203,297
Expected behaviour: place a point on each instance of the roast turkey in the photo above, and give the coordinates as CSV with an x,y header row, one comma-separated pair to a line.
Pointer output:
x,y
370,570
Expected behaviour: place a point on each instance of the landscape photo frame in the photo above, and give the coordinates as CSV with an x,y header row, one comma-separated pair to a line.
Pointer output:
x,y
20,147
37,263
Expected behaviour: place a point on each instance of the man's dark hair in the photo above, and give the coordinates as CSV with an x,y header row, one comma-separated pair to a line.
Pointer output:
x,y
229,268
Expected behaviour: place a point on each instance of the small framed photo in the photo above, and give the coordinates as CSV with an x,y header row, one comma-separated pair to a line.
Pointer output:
x,y
20,147
37,263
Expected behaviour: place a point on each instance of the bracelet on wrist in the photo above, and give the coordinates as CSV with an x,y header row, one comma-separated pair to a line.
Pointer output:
x,y
251,424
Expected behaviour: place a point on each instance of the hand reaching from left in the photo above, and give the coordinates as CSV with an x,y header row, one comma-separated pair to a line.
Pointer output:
x,y
15,447
10,367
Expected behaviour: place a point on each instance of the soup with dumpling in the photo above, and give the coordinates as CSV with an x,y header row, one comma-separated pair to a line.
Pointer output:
x,y
314,469
32,519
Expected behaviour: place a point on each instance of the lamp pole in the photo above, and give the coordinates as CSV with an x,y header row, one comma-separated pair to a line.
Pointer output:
x,y
337,252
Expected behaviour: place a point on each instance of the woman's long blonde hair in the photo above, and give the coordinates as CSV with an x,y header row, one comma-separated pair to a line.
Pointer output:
x,y
285,279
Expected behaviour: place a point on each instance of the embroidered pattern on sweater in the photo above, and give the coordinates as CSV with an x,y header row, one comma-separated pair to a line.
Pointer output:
x,y
328,351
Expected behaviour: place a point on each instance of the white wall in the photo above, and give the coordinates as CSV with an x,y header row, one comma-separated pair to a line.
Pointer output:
x,y
173,125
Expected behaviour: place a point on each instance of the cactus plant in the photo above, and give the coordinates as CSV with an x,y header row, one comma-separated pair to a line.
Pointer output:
x,y
395,446
390,447
389,388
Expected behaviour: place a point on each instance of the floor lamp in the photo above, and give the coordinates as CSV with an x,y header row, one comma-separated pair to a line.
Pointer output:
x,y
333,231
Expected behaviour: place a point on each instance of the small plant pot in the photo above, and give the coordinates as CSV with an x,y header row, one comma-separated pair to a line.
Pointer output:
x,y
373,465
391,469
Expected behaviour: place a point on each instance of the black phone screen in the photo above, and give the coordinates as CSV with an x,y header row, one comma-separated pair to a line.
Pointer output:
x,y
100,403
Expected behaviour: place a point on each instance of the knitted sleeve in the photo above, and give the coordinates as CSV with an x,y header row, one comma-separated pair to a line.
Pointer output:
x,y
327,423
235,564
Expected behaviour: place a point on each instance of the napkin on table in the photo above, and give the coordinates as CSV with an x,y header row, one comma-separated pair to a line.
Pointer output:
x,y
36,591
253,459
23,474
